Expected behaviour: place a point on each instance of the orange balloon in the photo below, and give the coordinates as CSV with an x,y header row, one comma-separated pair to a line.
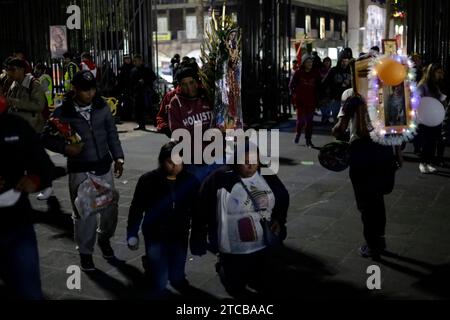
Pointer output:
x,y
391,72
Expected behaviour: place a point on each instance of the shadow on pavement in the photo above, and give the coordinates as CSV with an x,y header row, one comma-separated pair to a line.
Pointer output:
x,y
305,277
434,281
295,275
139,286
56,219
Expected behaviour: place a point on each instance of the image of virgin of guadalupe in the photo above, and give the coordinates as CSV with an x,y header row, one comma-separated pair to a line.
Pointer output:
x,y
395,109
58,41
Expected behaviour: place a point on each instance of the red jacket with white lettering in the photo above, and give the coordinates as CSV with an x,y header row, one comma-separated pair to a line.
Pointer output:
x,y
185,112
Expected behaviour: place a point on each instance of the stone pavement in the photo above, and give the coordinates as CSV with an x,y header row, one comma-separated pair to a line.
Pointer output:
x,y
320,259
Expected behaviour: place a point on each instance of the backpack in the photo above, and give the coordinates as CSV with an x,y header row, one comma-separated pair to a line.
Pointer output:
x,y
46,111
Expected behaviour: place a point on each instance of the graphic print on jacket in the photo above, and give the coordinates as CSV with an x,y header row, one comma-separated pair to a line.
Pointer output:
x,y
239,223
186,113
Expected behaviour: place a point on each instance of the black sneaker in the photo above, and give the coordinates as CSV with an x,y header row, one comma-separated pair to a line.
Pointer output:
x,y
86,263
309,144
107,251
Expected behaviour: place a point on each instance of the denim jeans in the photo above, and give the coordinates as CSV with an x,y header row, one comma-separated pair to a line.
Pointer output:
x,y
19,262
335,108
166,262
326,111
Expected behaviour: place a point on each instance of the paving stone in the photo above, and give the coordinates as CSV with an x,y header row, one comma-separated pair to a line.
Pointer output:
x,y
321,258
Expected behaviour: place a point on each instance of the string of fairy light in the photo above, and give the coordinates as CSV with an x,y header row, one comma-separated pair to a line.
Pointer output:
x,y
392,135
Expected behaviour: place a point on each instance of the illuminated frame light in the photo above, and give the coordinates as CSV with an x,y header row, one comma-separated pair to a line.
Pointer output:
x,y
380,133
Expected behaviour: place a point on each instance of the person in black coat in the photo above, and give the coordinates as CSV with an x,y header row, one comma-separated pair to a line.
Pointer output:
x,y
166,196
24,168
233,201
142,79
125,89
89,116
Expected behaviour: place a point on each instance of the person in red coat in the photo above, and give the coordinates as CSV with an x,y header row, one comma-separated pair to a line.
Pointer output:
x,y
304,87
162,118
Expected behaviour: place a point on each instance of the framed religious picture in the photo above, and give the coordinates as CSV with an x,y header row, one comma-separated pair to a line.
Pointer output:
x,y
390,46
396,107
58,41
391,109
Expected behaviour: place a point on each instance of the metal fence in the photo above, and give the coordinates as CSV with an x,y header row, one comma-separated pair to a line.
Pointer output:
x,y
429,30
266,40
112,28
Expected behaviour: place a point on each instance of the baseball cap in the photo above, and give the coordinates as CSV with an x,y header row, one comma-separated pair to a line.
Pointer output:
x,y
16,62
186,72
84,80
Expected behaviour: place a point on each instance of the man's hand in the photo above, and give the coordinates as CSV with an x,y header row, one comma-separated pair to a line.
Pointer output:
x,y
72,150
27,185
118,168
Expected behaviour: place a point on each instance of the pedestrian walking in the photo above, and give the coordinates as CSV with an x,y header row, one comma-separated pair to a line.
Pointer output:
x,y
89,116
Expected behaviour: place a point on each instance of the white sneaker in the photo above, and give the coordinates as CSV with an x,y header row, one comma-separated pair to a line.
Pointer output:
x,y
431,169
45,194
423,168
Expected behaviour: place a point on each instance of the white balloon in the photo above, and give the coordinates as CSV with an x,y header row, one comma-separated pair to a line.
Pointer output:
x,y
430,112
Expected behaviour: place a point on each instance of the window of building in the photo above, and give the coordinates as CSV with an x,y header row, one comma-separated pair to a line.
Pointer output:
x,y
308,24
343,29
322,28
332,26
191,27
163,24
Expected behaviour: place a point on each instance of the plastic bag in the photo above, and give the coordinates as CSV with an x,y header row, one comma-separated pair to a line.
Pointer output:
x,y
94,194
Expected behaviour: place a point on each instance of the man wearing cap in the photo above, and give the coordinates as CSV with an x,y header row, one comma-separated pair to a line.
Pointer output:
x,y
25,96
90,117
188,108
